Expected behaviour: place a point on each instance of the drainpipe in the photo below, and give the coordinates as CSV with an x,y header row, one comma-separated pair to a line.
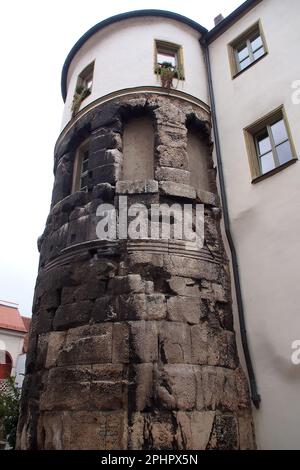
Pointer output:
x,y
253,386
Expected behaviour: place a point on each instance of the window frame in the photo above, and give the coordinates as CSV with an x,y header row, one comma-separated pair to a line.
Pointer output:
x,y
86,75
78,174
251,133
173,48
246,38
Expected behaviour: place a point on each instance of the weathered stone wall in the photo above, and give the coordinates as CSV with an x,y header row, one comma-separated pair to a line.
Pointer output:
x,y
132,343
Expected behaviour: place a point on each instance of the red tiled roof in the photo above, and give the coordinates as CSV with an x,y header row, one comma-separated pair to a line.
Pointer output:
x,y
10,318
26,321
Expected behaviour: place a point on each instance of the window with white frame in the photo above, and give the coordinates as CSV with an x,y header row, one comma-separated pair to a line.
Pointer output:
x,y
169,55
80,172
269,143
273,146
247,49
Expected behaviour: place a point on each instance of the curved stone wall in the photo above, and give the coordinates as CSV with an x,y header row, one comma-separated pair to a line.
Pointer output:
x,y
132,343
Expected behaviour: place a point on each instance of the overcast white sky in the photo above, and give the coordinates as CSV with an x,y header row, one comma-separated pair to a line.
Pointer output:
x,y
35,38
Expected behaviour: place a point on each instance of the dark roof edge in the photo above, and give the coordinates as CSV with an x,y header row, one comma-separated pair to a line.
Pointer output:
x,y
114,19
230,19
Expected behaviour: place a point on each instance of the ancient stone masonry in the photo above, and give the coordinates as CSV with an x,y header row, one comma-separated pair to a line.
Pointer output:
x,y
132,343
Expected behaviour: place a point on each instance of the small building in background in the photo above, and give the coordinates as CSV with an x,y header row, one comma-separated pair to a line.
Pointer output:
x,y
13,342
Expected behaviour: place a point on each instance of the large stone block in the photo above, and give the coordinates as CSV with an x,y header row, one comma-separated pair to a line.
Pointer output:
x,y
105,309
126,284
174,343
144,341
87,345
224,435
56,341
88,291
246,432
50,299
65,396
185,287
141,390
169,188
217,388
137,187
214,292
77,230
106,396
159,431
113,156
77,199
192,268
109,173
186,309
175,387
63,180
83,430
132,306
175,157
121,342
108,116
172,174
108,372
206,197
155,307
136,431
215,347
77,213
194,429
42,347
96,158
105,140
70,315
142,306
44,320
104,191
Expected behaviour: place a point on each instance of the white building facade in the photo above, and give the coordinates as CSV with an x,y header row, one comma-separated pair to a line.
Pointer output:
x,y
264,208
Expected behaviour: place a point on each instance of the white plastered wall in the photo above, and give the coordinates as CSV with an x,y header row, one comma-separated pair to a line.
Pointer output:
x,y
265,217
124,58
12,342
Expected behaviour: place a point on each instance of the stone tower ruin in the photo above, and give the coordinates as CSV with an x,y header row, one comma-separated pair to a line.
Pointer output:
x,y
132,343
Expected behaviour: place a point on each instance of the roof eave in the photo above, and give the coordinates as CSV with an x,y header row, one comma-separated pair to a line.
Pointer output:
x,y
229,20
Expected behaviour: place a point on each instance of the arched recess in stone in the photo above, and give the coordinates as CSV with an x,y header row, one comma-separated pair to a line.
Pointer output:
x,y
199,155
66,163
138,148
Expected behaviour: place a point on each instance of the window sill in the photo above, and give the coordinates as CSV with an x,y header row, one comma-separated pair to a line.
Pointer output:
x,y
237,74
274,171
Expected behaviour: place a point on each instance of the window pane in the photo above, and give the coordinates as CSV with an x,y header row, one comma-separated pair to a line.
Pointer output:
x,y
84,166
243,52
264,144
245,63
279,132
284,152
83,181
267,163
89,84
257,54
164,57
256,43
